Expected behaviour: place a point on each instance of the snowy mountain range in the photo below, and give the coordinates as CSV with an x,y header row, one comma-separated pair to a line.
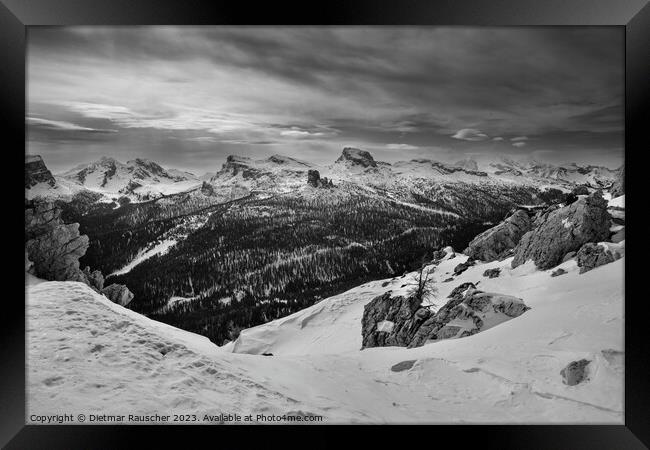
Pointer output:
x,y
141,179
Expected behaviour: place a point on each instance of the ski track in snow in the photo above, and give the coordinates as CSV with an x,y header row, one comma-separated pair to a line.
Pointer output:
x,y
86,354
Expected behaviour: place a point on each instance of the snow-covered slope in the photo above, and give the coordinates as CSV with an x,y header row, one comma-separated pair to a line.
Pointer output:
x,y
87,354
139,178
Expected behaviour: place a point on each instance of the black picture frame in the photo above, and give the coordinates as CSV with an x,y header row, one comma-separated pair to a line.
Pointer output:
x,y
633,15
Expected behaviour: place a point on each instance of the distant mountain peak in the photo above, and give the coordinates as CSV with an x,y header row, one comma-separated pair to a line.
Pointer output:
x,y
36,172
355,156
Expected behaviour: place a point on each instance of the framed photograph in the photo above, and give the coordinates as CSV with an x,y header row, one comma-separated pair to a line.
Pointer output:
x,y
354,213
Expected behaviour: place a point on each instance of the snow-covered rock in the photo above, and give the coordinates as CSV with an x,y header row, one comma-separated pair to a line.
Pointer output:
x,y
492,243
561,230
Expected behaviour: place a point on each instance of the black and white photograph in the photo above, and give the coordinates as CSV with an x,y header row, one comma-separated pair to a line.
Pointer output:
x,y
324,225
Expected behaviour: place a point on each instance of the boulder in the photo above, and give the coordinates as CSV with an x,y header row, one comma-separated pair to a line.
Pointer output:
x,y
493,243
492,273
558,272
118,293
468,312
462,267
561,230
618,236
404,365
391,321
593,255
53,246
94,279
575,372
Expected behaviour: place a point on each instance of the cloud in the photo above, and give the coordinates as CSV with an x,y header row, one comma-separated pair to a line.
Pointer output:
x,y
63,126
365,84
497,138
401,147
519,138
519,144
470,134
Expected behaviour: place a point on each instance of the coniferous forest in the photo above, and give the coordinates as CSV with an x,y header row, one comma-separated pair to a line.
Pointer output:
x,y
243,262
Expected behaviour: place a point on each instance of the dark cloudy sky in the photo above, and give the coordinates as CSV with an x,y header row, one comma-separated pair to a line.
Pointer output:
x,y
189,96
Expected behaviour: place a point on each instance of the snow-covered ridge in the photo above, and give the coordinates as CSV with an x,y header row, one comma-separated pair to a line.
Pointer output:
x,y
137,178
110,360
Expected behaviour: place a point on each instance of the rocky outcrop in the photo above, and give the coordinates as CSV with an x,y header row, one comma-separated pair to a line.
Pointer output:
x,y
391,321
467,313
94,279
401,321
314,180
492,273
207,189
53,246
118,293
618,187
493,243
462,267
575,372
558,272
561,230
593,255
36,172
404,365
354,156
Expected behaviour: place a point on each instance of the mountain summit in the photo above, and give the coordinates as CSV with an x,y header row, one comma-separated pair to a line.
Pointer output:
x,y
356,157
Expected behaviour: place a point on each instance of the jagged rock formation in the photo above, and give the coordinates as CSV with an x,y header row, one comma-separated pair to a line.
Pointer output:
x,y
314,179
118,293
561,230
53,246
355,156
391,321
36,172
558,272
468,312
95,279
575,372
207,189
53,249
493,243
400,321
618,187
592,255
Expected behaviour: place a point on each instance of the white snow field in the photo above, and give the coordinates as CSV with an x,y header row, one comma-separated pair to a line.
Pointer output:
x,y
88,355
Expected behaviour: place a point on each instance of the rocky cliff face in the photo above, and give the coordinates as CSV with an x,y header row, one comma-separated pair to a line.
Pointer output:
x,y
53,246
495,242
36,172
618,188
355,156
559,231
